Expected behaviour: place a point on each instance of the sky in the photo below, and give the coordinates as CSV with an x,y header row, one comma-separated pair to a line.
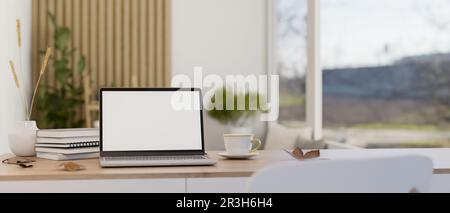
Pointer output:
x,y
358,33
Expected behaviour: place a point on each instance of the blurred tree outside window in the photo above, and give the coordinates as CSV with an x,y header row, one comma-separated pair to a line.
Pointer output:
x,y
387,72
292,60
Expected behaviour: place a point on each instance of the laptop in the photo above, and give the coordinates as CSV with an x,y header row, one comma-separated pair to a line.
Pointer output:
x,y
152,127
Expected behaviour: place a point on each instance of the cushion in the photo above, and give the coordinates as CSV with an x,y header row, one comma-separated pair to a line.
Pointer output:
x,y
282,137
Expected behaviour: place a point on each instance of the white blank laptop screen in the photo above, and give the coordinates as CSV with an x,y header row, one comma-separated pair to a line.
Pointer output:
x,y
147,121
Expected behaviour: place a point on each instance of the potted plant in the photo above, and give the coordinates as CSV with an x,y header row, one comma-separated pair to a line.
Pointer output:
x,y
58,104
238,115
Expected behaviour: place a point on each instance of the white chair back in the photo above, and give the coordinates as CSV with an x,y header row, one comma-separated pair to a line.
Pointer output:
x,y
386,175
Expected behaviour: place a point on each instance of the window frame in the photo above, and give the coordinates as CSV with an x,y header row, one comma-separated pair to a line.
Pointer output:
x,y
314,78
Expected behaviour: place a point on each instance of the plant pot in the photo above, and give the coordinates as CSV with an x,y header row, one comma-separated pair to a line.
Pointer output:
x,y
22,140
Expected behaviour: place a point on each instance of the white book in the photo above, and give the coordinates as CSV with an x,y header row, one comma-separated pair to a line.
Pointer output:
x,y
68,133
68,151
68,140
68,145
63,157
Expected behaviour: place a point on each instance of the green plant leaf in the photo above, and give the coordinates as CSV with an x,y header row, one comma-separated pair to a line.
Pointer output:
x,y
236,114
62,38
58,105
81,64
77,92
62,75
61,64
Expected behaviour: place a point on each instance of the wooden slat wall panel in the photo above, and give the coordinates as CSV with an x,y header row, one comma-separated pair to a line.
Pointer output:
x,y
84,46
126,42
93,42
118,42
41,35
151,49
50,8
76,30
159,43
143,41
110,42
101,42
74,7
134,42
167,42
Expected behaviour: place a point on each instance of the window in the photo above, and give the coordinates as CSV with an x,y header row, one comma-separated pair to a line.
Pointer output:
x,y
386,72
291,59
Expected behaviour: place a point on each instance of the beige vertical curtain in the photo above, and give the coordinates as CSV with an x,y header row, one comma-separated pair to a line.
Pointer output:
x,y
126,42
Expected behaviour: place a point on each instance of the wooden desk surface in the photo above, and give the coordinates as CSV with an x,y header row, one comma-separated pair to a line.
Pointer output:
x,y
49,170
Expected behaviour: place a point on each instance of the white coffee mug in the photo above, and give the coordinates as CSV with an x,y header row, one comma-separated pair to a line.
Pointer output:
x,y
241,144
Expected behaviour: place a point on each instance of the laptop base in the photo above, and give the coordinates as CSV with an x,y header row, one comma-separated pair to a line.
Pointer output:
x,y
115,162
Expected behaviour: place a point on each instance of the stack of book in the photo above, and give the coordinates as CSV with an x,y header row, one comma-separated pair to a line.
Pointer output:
x,y
68,144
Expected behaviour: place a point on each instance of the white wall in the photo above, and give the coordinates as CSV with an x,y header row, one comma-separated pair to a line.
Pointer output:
x,y
11,108
224,37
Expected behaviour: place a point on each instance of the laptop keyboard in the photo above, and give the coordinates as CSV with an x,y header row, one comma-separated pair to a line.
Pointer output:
x,y
155,158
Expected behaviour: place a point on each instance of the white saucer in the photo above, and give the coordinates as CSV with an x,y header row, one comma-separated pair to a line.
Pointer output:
x,y
244,156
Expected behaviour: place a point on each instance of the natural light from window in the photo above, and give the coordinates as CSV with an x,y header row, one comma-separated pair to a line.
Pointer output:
x,y
292,60
386,72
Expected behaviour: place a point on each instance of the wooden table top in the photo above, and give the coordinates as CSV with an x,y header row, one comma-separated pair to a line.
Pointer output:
x,y
50,170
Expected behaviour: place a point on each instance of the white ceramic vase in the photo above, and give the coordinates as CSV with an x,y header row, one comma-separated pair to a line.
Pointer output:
x,y
22,139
